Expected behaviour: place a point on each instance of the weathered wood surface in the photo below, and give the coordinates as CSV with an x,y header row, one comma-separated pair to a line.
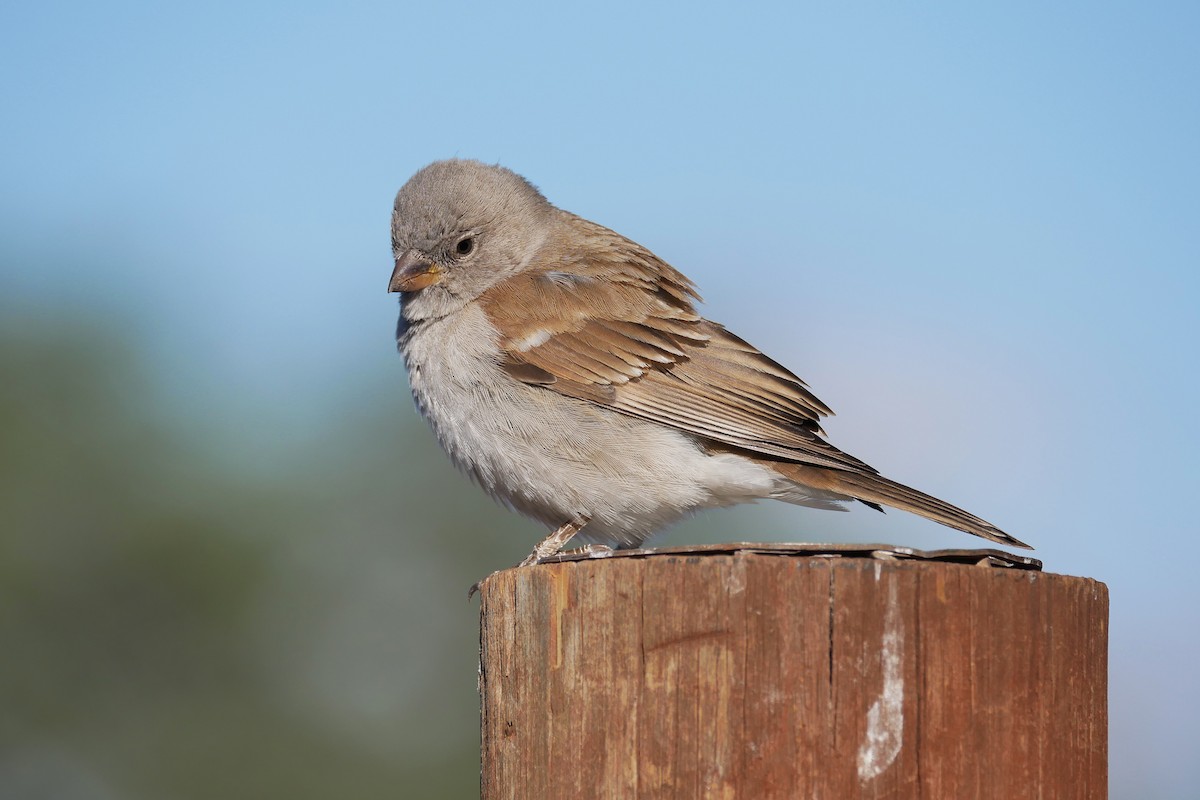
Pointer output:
x,y
765,676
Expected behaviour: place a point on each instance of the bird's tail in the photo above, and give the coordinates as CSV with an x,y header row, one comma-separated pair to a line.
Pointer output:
x,y
876,490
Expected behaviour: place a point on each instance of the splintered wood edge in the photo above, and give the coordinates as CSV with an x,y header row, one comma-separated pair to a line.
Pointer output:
x,y
986,557
982,557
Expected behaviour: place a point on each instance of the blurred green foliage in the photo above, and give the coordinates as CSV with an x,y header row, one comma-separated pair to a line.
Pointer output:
x,y
175,624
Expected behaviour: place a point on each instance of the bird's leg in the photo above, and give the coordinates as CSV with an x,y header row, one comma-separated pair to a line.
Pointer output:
x,y
547,547
555,542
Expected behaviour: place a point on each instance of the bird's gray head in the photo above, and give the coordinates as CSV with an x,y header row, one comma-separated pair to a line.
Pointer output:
x,y
458,227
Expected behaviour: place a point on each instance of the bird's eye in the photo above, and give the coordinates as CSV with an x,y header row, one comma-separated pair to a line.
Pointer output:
x,y
465,246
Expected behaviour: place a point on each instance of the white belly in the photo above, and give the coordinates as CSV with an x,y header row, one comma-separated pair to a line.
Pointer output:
x,y
553,457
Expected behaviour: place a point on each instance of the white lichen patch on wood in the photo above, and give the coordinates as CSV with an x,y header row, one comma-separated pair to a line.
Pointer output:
x,y
885,718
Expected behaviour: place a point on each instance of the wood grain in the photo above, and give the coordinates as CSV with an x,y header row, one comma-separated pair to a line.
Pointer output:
x,y
764,676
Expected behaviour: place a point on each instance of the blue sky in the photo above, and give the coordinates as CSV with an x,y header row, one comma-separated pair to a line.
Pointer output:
x,y
974,231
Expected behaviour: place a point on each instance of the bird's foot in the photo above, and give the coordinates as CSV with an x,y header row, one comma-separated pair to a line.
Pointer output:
x,y
593,550
554,543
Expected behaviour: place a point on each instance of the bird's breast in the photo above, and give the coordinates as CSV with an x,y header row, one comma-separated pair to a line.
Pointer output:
x,y
552,456
491,426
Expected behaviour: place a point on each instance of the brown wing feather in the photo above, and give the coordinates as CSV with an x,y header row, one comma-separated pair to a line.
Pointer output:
x,y
876,489
619,328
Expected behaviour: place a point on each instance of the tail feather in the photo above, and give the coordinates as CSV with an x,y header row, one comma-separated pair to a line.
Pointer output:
x,y
877,490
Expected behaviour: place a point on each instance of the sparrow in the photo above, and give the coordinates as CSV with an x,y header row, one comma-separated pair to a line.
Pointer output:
x,y
566,370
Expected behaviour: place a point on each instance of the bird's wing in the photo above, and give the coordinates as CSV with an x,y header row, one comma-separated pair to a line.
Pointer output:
x,y
608,322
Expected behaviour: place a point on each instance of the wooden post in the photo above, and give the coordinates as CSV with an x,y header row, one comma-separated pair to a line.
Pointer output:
x,y
765,671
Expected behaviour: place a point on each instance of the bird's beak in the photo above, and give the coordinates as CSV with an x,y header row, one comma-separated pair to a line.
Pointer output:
x,y
413,272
